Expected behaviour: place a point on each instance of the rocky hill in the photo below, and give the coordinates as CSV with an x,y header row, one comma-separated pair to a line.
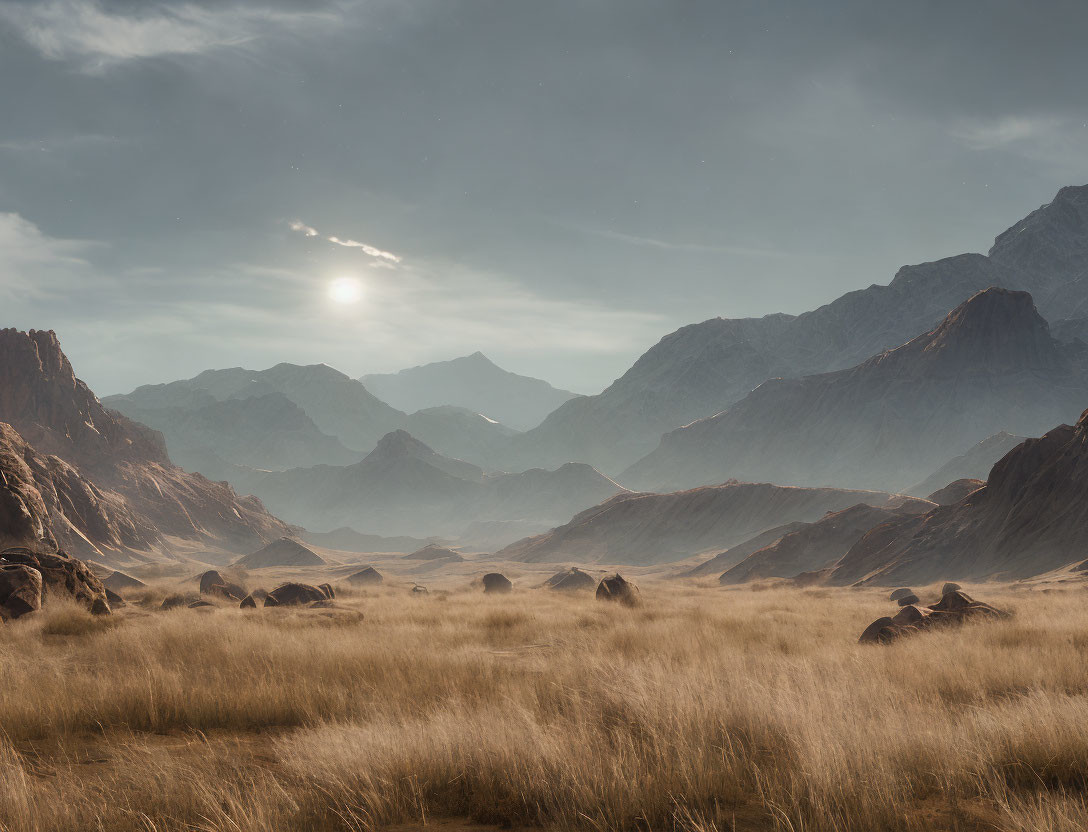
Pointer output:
x,y
975,464
991,365
472,383
1030,517
93,481
647,529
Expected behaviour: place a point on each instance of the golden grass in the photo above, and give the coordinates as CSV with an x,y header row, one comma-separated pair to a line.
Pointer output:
x,y
703,709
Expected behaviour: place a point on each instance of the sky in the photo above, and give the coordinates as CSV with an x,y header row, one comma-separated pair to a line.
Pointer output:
x,y
375,184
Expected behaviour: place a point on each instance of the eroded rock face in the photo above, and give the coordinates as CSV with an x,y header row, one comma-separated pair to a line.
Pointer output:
x,y
618,589
954,608
496,582
20,591
294,594
61,575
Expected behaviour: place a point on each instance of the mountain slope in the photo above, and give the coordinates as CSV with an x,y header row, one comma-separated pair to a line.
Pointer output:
x,y
1030,517
705,368
473,383
991,365
106,483
819,544
646,529
973,465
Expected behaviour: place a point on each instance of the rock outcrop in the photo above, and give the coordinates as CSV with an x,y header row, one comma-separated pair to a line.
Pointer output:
x,y
366,577
20,591
954,608
619,590
496,583
77,476
571,580
294,594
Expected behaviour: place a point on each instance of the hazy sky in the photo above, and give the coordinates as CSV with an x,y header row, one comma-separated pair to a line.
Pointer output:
x,y
556,183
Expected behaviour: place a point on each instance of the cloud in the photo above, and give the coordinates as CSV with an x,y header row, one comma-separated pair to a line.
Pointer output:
x,y
372,251
666,245
33,264
999,133
84,31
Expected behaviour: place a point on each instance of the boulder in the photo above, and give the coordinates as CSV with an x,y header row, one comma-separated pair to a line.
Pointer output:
x,y
100,606
616,588
572,579
248,603
20,591
949,587
328,590
953,609
294,594
366,577
200,602
907,600
61,575
419,590
880,631
902,592
209,579
496,582
228,592
113,599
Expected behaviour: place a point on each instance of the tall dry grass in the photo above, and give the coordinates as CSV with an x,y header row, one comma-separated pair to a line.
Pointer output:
x,y
703,709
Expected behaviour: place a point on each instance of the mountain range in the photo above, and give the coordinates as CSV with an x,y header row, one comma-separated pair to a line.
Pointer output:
x,y
473,383
705,368
887,423
404,487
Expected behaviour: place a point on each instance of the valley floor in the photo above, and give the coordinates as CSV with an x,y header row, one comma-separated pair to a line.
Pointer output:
x,y
703,709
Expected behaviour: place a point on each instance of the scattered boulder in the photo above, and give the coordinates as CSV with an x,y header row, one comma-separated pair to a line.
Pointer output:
x,y
20,591
248,603
496,582
954,608
950,587
902,592
114,600
419,590
907,600
61,574
118,582
209,579
616,588
572,579
328,590
294,594
366,577
200,602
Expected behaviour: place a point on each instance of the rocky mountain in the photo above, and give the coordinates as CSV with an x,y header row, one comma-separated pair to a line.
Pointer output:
x,y
644,529
955,491
705,368
472,383
92,481
403,487
1030,517
239,417
820,544
991,365
282,552
975,464
346,539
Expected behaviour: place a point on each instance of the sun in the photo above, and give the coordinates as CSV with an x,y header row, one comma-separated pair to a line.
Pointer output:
x,y
345,291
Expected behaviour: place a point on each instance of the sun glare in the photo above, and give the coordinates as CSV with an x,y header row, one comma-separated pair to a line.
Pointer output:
x,y
345,291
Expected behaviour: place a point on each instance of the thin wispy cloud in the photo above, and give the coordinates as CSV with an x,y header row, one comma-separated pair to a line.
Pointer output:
x,y
86,32
366,248
998,133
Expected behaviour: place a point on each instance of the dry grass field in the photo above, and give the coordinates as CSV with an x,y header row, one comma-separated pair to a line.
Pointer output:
x,y
703,709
